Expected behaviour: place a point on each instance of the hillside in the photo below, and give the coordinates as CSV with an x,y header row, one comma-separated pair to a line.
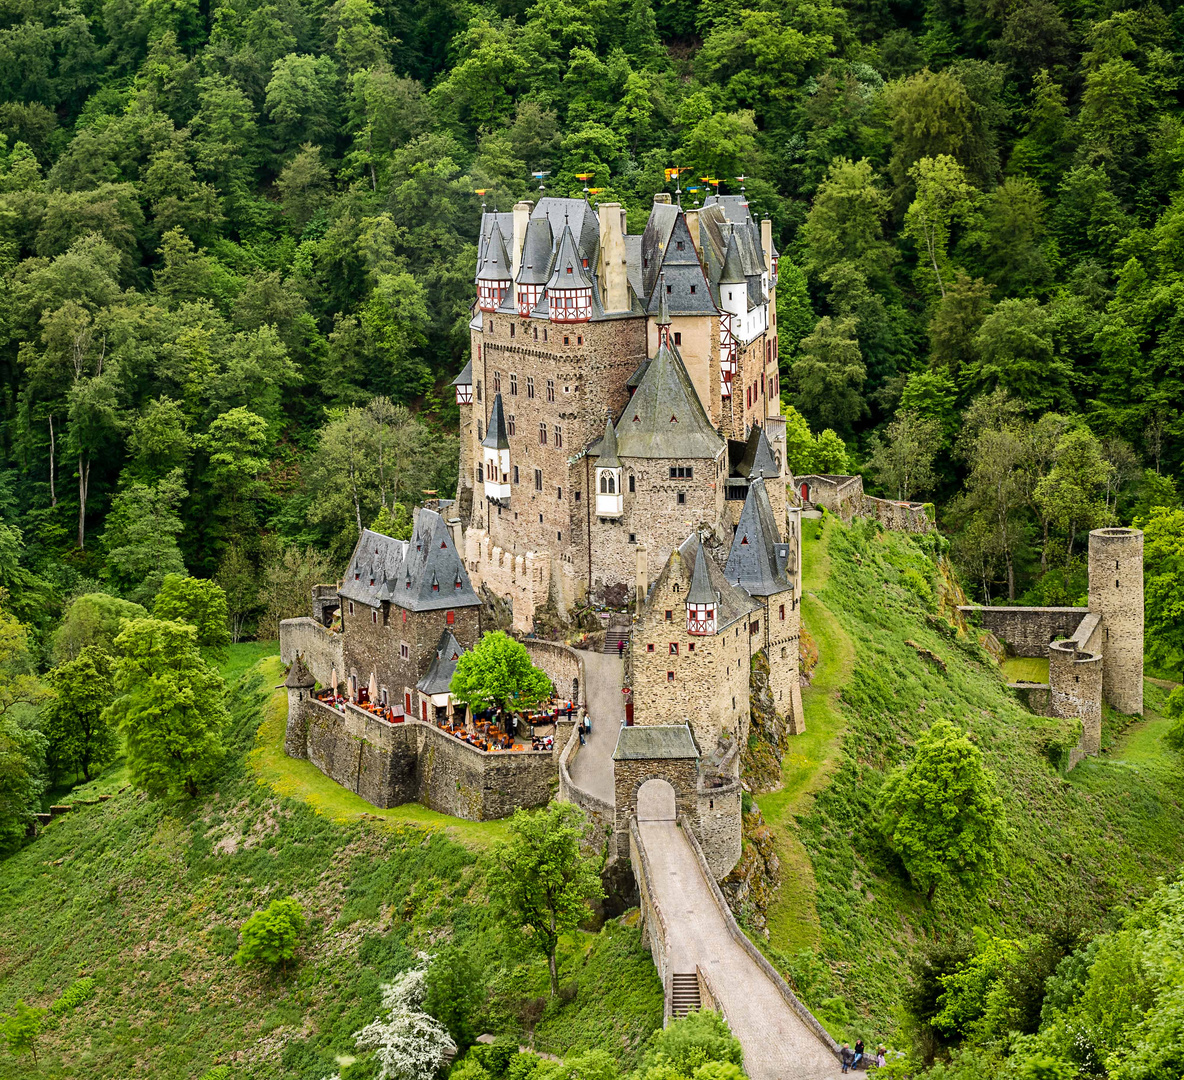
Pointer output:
x,y
1078,847
146,898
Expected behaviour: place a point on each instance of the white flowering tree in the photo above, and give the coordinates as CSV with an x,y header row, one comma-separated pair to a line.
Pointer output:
x,y
410,1044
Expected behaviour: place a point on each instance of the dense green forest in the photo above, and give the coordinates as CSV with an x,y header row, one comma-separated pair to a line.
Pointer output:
x,y
239,239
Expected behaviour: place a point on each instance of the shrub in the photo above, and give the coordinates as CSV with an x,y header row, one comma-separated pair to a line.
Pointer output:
x,y
81,991
694,1040
270,937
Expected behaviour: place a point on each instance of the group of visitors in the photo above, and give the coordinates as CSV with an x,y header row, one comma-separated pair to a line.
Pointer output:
x,y
857,1058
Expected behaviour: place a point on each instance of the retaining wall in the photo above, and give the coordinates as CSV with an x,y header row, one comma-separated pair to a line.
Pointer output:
x,y
1027,631
391,764
564,667
599,812
319,646
654,931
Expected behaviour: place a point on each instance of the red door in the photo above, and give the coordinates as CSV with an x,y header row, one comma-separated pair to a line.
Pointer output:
x,y
806,492
407,704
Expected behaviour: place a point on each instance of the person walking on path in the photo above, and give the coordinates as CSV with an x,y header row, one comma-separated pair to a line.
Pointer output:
x,y
621,650
858,1054
846,1057
881,1051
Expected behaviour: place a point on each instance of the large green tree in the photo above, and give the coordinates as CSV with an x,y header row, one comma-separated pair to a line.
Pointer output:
x,y
75,721
497,672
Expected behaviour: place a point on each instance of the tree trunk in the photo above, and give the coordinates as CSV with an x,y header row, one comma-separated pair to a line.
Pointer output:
x,y
929,894
83,485
53,494
552,963
1010,576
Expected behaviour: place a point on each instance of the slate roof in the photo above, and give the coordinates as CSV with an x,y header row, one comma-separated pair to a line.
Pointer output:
x,y
733,269
496,438
465,378
655,743
299,677
732,603
758,559
701,591
568,269
608,448
687,291
495,266
537,249
405,571
439,674
664,418
758,459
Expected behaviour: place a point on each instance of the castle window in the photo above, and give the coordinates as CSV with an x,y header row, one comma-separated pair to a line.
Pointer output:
x,y
538,484
566,339
710,804
559,537
633,538
480,431
680,245
579,340
404,615
577,496
530,386
513,385
372,583
783,654
357,577
783,612
404,651
632,484
1116,583
450,617
511,427
542,434
682,472
544,333
536,333
559,494
645,264
497,382
674,648
374,617
480,473
478,389
608,483
650,647
754,627
558,436
669,289
670,616
435,586
690,646
677,337
515,474
670,676
550,389
682,498
693,288
351,607
511,329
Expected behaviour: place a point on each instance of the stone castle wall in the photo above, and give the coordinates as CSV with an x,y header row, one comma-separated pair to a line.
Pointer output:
x,y
1027,631
599,812
844,496
564,667
524,579
391,764
320,647
1075,691
717,826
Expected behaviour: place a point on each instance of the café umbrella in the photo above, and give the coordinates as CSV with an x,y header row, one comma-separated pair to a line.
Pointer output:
x,y
373,687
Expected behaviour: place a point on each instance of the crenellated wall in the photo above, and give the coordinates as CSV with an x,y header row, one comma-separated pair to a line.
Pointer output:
x,y
320,648
525,580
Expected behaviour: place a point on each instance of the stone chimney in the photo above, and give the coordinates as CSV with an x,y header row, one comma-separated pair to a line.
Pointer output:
x,y
643,576
458,540
767,243
662,197
521,218
614,281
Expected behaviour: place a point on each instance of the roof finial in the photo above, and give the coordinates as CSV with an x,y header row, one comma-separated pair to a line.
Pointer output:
x,y
663,313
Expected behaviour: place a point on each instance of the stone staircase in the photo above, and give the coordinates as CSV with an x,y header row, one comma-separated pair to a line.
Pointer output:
x,y
685,997
613,636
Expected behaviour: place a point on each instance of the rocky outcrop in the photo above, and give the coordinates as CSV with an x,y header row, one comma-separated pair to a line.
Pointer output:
x,y
760,759
752,886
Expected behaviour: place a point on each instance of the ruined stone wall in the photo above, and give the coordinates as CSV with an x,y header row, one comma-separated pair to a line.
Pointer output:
x,y
840,495
896,516
564,667
652,515
717,825
391,764
704,682
1116,593
524,579
319,646
1027,631
1075,691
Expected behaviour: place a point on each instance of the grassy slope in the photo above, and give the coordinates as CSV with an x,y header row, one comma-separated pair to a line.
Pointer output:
x,y
1076,847
147,897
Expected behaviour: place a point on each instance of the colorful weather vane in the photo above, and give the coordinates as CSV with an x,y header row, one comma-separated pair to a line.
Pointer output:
x,y
541,177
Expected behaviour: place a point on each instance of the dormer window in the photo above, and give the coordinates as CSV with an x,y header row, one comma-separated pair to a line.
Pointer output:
x,y
701,618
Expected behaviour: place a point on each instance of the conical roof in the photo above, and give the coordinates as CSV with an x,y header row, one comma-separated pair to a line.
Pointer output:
x,y
465,378
664,417
733,269
496,437
701,591
568,272
496,264
758,459
536,253
299,677
608,448
759,556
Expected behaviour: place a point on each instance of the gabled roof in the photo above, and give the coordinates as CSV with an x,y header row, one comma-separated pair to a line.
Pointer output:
x,y
568,269
644,742
424,573
496,438
733,270
465,378
758,459
443,667
732,603
687,291
299,677
654,242
495,263
664,418
608,448
758,559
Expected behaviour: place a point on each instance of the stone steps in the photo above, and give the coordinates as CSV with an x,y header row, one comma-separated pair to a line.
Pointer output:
x,y
612,638
685,997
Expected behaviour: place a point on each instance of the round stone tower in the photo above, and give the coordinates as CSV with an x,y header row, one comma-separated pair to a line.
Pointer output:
x,y
1116,593
300,685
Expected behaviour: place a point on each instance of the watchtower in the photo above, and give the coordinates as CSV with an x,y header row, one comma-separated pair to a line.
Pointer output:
x,y
299,685
1116,592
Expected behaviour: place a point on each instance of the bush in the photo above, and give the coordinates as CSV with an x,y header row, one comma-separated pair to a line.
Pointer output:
x,y
694,1040
270,937
81,991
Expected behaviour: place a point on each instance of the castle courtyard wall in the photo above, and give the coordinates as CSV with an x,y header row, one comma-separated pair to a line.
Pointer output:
x,y
1027,631
320,648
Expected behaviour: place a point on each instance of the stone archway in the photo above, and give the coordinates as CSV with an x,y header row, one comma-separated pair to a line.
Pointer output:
x,y
656,801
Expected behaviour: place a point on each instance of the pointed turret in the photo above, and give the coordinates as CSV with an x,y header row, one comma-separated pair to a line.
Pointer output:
x,y
495,454
496,437
610,499
758,459
733,268
758,559
299,677
494,274
608,448
569,290
700,591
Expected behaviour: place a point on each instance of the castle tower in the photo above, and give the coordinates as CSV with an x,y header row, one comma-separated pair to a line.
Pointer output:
x,y
299,684
1116,593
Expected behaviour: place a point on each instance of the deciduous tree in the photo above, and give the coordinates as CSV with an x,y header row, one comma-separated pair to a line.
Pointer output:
x,y
497,673
75,722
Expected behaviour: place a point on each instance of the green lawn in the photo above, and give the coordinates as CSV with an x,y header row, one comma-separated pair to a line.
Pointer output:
x,y
1025,669
810,758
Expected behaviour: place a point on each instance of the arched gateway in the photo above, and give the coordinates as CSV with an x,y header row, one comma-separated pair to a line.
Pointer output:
x,y
656,770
